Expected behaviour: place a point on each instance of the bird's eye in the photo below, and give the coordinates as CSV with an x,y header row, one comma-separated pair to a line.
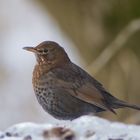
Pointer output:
x,y
45,51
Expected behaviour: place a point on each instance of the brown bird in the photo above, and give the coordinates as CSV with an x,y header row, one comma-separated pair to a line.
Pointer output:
x,y
65,90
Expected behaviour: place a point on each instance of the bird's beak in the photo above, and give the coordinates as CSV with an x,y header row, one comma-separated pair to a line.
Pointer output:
x,y
31,49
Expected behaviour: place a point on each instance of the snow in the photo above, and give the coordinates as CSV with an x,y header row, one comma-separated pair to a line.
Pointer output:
x,y
83,128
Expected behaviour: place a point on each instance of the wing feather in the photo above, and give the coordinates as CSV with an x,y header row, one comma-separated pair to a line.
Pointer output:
x,y
84,88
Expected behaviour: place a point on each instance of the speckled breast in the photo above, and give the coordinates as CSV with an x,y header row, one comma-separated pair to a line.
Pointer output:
x,y
57,101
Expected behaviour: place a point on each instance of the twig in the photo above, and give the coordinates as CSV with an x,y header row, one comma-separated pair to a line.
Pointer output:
x,y
114,46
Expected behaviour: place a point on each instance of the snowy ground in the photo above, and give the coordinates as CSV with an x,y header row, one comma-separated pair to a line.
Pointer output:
x,y
84,128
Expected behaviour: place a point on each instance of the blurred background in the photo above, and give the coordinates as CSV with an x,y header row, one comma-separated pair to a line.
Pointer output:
x,y
102,37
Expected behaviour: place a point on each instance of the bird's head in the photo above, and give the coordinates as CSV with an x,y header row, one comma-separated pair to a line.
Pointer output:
x,y
49,53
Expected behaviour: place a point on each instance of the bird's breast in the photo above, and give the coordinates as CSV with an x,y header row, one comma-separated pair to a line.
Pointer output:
x,y
43,84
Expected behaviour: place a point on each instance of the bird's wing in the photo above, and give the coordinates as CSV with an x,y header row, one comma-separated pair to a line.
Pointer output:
x,y
87,93
86,89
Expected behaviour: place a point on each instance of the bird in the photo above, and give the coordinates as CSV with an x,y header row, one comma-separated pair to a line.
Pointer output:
x,y
65,90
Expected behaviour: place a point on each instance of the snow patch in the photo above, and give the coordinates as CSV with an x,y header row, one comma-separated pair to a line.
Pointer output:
x,y
83,128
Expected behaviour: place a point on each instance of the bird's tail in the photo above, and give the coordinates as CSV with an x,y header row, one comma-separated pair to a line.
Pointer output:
x,y
120,104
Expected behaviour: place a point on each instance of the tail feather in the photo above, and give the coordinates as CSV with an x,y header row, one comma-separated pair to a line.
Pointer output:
x,y
121,104
113,103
